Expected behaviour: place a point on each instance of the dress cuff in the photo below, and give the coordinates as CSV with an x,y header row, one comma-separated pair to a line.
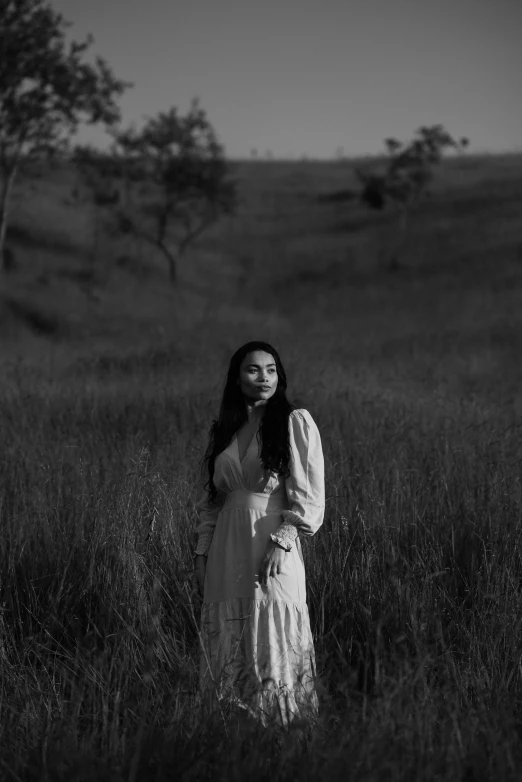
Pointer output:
x,y
291,517
285,535
204,541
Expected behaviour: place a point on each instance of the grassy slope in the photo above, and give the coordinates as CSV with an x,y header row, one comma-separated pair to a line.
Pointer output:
x,y
109,381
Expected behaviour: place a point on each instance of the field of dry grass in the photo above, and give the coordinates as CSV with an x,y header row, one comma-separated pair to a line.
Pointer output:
x,y
109,380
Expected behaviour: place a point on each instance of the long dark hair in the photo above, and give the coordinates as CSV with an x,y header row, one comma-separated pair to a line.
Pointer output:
x,y
275,444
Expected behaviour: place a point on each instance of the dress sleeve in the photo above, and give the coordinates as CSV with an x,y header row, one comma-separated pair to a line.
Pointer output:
x,y
305,484
207,515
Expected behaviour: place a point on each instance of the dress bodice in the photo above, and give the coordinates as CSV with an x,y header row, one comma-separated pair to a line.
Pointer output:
x,y
231,474
300,493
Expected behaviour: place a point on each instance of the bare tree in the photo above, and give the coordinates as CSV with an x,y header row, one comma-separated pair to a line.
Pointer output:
x,y
409,171
173,178
46,90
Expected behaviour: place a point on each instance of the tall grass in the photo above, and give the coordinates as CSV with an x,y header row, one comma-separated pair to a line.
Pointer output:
x,y
414,584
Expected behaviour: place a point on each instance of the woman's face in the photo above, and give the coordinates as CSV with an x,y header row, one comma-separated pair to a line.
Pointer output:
x,y
258,377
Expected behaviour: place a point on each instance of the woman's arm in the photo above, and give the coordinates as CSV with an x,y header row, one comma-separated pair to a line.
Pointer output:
x,y
305,485
207,516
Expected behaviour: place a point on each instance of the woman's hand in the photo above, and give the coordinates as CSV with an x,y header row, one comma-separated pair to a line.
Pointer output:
x,y
272,563
198,576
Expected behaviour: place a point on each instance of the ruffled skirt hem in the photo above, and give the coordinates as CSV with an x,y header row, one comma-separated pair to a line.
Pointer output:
x,y
259,655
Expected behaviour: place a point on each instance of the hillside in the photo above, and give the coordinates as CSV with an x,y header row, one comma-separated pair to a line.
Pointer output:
x,y
285,229
293,266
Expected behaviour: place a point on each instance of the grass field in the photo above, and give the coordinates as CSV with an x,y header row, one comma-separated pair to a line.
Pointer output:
x,y
109,381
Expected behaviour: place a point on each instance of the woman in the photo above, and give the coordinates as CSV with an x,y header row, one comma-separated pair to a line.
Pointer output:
x,y
264,486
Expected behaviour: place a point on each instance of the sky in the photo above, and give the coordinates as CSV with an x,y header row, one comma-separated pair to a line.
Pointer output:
x,y
310,77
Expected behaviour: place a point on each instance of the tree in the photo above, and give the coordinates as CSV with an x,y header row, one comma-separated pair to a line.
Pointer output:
x,y
409,171
46,90
173,178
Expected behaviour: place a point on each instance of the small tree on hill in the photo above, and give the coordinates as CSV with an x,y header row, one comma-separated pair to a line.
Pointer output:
x,y
173,178
409,171
46,90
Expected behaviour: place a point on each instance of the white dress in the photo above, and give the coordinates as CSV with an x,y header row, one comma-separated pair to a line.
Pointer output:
x,y
257,646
